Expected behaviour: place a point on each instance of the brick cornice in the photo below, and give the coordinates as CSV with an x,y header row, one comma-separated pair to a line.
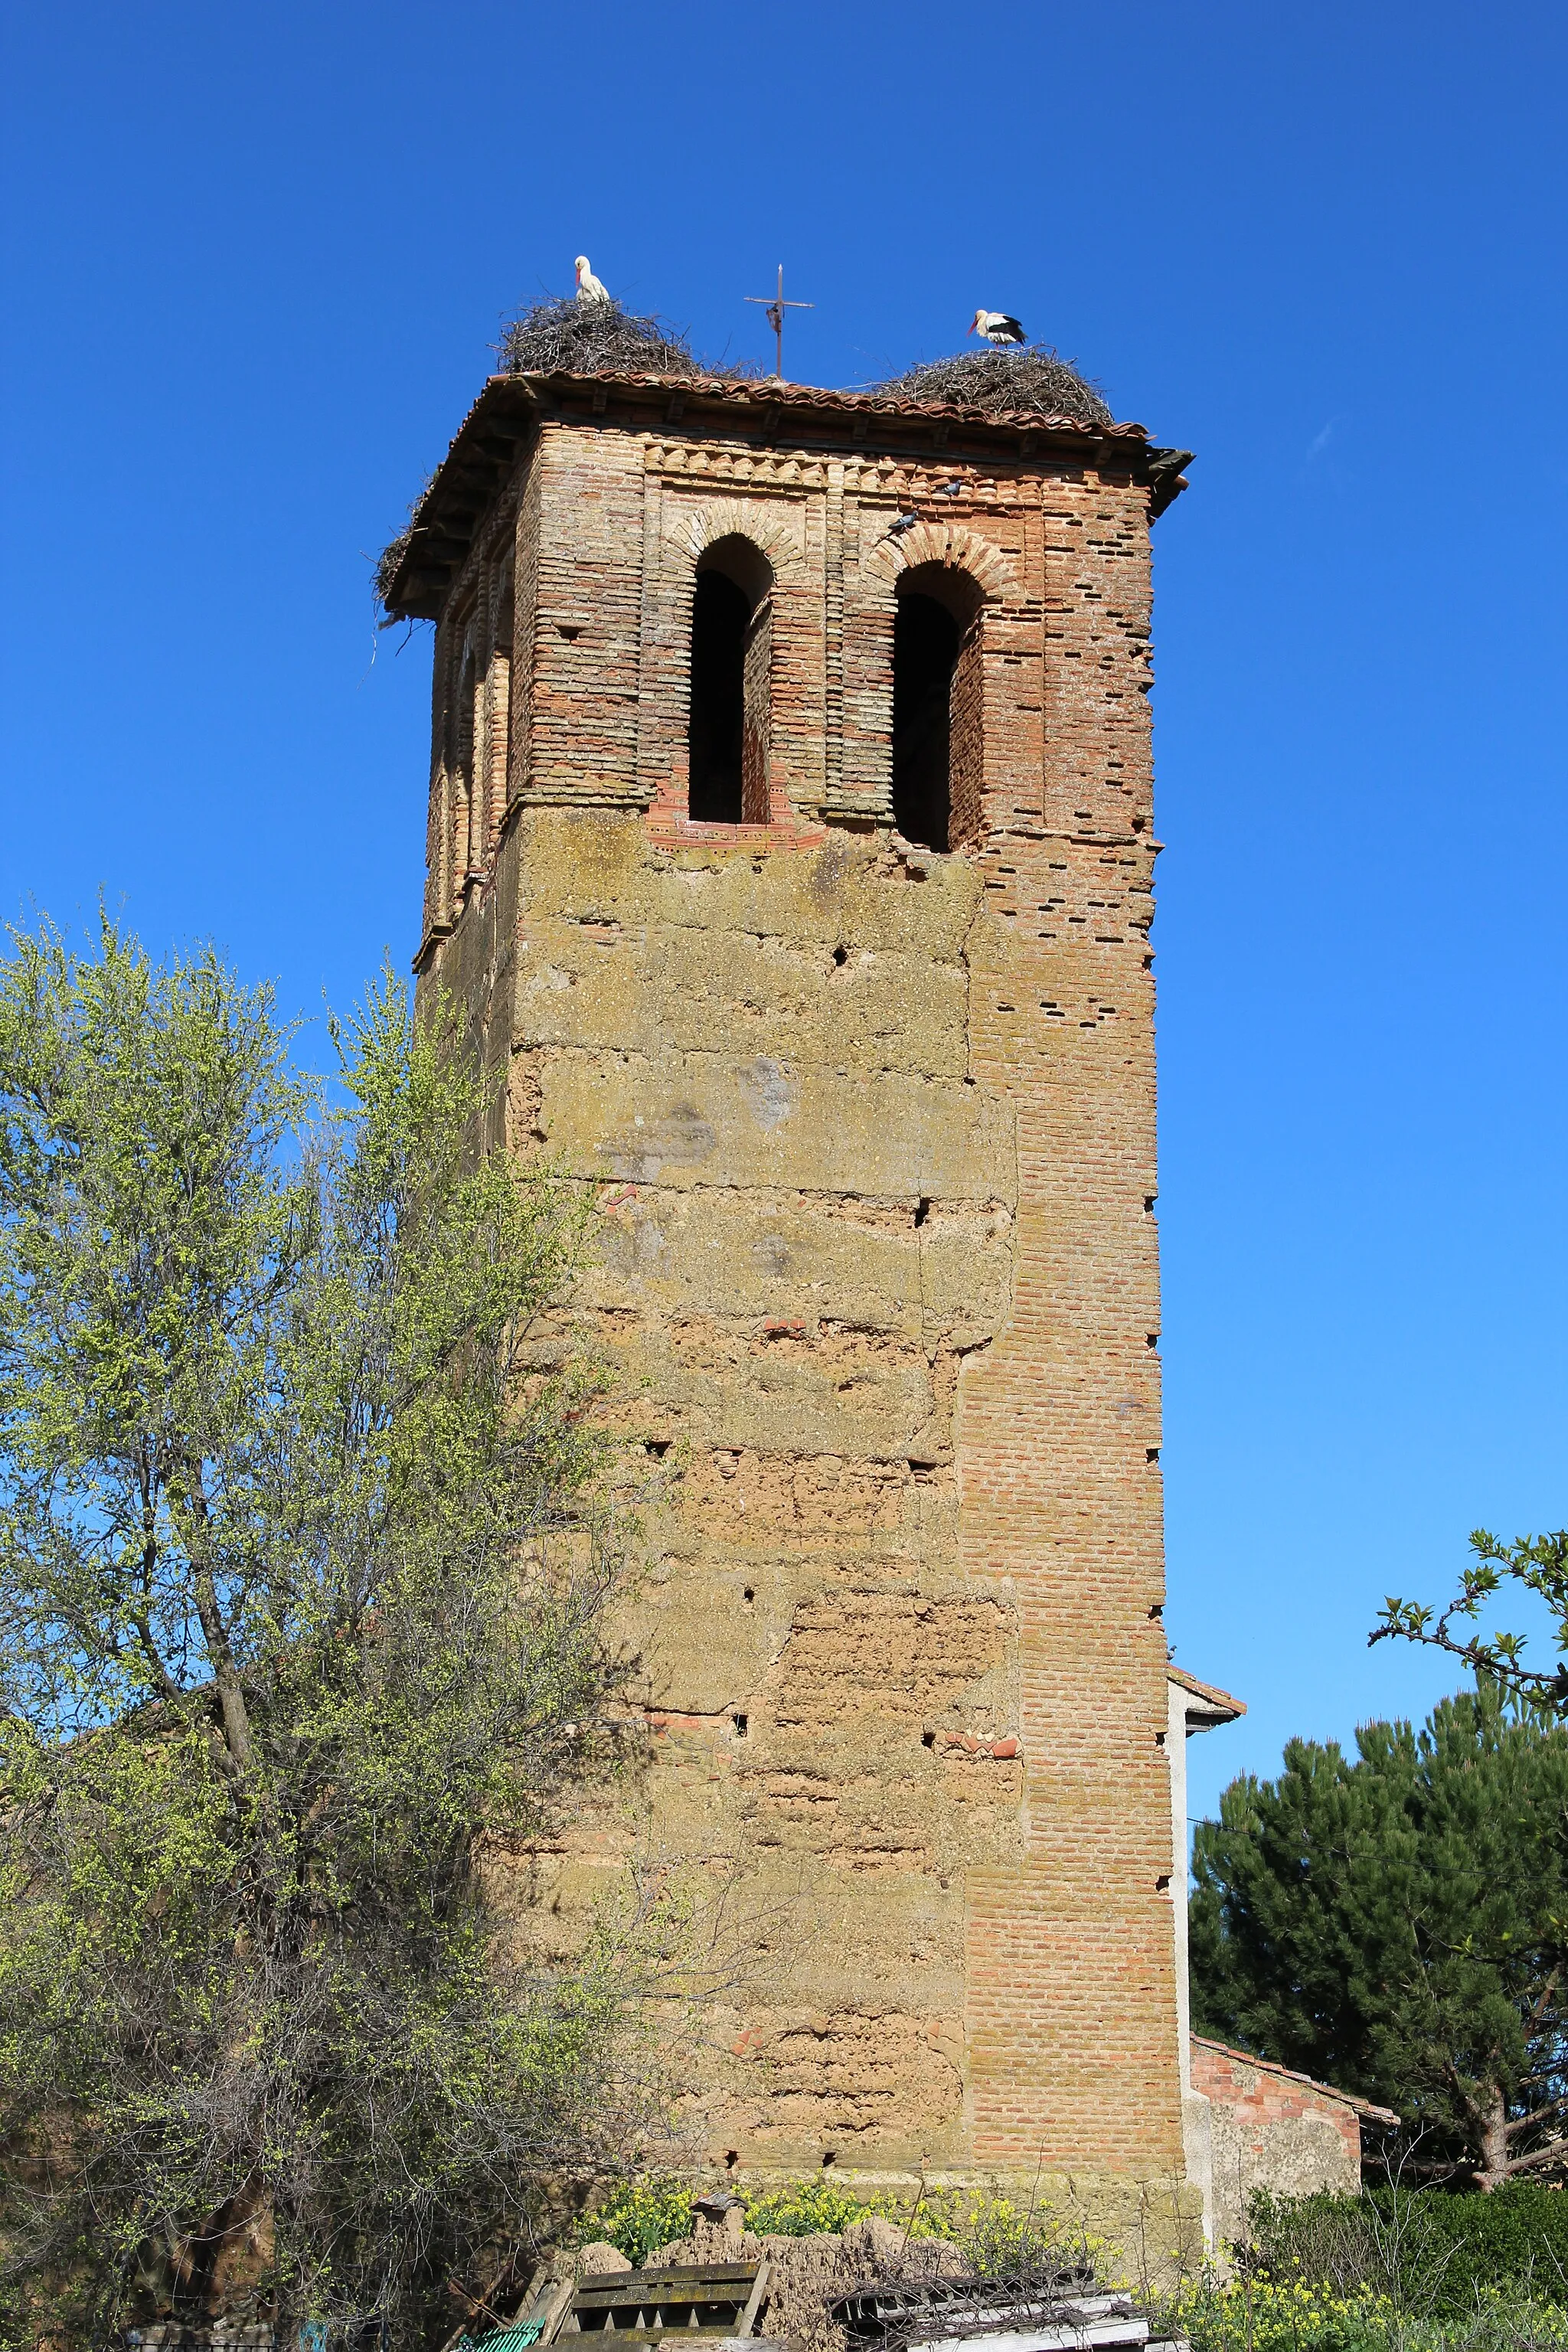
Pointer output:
x,y
509,410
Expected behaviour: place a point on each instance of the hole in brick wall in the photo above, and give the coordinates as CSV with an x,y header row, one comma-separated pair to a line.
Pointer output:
x,y
828,2157
1157,1612
1139,823
840,955
1153,1340
1153,1454
1163,1883
569,633
928,1739
1149,1200
922,1211
738,1722
1159,1739
750,1593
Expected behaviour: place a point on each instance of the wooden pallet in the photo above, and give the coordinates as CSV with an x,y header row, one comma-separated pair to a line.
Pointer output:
x,y
691,2300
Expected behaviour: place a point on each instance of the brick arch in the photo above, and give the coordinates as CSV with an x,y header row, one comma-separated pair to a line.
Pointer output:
x,y
954,545
736,518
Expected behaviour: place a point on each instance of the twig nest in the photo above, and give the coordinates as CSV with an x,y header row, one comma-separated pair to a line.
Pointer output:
x,y
1028,378
568,337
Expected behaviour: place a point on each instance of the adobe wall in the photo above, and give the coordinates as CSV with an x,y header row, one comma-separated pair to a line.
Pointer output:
x,y
872,1135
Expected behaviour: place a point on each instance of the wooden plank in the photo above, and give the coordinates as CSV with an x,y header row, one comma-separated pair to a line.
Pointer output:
x,y
550,2307
754,2301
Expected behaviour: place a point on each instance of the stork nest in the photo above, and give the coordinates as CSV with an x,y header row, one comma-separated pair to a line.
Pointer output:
x,y
565,336
385,570
1020,378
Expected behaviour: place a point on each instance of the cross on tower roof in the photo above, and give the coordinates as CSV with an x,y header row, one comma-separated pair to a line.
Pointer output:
x,y
776,307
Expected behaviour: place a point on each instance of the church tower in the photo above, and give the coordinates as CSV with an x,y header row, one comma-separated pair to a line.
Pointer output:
x,y
791,845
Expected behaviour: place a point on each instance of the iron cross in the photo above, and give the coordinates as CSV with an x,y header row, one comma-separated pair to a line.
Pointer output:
x,y
775,306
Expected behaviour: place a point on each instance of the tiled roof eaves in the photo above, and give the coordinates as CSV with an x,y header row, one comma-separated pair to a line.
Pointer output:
x,y
1224,1705
510,405
1373,2113
767,391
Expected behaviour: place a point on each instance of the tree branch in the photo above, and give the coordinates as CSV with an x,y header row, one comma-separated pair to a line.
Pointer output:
x,y
142,1616
1523,2123
234,1716
1554,2152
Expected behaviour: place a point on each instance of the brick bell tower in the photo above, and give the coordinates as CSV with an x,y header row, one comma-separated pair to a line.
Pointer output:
x,y
795,858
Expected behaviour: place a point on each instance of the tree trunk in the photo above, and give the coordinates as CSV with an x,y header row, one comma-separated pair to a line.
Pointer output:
x,y
1491,2116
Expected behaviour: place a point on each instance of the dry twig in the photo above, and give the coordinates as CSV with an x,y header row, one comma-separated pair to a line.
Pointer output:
x,y
1028,378
566,336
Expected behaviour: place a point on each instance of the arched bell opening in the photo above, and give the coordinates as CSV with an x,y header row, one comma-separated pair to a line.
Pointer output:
x,y
731,664
936,706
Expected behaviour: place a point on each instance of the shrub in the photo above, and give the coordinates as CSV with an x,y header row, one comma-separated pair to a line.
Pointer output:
x,y
639,2215
1513,2239
1434,2252
801,2207
1254,2314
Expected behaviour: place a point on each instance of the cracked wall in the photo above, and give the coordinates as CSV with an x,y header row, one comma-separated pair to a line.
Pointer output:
x,y
871,1132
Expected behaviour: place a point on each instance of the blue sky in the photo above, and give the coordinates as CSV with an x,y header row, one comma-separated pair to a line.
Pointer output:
x,y
253,261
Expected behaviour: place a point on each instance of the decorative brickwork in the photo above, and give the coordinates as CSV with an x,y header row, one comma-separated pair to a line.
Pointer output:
x,y
872,1132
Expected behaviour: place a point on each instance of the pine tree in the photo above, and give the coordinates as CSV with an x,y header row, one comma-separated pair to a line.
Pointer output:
x,y
1397,1925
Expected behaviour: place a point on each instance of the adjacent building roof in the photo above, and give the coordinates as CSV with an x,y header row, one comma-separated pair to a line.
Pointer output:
x,y
1207,1704
418,568
1364,2107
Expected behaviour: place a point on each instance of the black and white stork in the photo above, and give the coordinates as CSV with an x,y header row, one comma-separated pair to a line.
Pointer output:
x,y
589,287
996,327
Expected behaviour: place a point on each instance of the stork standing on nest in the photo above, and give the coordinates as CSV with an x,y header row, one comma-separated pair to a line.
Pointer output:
x,y
589,287
997,328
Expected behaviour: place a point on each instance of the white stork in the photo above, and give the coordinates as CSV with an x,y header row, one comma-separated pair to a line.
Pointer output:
x,y
589,287
996,327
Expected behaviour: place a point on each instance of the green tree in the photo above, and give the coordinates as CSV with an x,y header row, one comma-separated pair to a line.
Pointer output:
x,y
1397,1925
303,1563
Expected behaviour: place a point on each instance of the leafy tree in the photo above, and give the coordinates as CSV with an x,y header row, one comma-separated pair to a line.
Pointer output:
x,y
1536,1564
303,1562
1397,1925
